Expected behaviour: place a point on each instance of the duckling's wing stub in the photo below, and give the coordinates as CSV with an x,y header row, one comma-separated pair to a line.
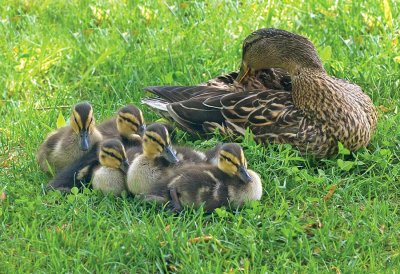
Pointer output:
x,y
78,173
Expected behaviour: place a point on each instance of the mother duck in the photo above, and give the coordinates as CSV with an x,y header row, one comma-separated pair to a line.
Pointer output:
x,y
298,103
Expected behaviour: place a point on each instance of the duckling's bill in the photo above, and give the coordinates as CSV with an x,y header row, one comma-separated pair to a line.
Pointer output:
x,y
244,174
124,166
84,140
170,155
141,129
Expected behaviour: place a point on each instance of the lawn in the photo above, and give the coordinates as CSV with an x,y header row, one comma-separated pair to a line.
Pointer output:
x,y
334,215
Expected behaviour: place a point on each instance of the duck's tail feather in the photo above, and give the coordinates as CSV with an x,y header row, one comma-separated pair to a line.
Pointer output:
x,y
158,105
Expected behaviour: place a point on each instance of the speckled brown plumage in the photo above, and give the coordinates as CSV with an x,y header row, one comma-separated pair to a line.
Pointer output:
x,y
298,103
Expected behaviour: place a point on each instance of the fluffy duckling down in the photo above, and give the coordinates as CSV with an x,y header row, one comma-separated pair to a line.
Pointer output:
x,y
110,177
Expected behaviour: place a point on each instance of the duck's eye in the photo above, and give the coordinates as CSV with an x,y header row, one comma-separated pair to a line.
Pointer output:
x,y
120,120
102,156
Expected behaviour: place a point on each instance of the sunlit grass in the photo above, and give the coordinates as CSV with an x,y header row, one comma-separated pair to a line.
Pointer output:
x,y
339,214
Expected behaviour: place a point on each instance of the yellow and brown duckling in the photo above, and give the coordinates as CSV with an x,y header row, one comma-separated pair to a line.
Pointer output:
x,y
157,158
110,176
228,183
150,166
128,125
69,143
313,113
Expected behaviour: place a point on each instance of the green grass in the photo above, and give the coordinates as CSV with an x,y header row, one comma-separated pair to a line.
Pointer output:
x,y
56,53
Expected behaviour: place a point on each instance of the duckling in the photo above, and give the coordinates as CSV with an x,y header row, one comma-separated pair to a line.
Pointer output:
x,y
150,166
110,176
129,126
157,157
230,182
69,143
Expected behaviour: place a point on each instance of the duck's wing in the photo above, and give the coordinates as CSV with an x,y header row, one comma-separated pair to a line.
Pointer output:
x,y
263,79
269,114
221,101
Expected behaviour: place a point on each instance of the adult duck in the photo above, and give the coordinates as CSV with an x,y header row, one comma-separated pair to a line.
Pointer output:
x,y
312,111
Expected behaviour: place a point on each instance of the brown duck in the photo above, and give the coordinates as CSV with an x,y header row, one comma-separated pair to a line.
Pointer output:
x,y
304,107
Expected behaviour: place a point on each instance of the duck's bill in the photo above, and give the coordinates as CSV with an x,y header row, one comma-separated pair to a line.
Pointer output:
x,y
244,71
170,155
141,129
244,174
124,166
84,140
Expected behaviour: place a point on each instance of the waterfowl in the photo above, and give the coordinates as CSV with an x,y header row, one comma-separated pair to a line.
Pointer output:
x,y
149,167
128,125
230,182
77,174
311,111
159,156
110,176
69,143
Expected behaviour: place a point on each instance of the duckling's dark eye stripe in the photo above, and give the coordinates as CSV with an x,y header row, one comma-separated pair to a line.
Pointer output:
x,y
130,121
112,155
90,122
76,122
229,160
155,140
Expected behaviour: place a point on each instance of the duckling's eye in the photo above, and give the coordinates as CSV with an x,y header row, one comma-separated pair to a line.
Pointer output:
x,y
120,120
102,156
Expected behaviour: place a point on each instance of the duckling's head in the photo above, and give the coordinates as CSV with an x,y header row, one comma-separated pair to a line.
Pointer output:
x,y
82,122
112,154
156,142
274,48
231,160
130,121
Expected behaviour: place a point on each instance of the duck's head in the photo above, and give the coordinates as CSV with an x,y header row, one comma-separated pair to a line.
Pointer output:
x,y
112,154
130,121
82,123
156,142
274,48
231,160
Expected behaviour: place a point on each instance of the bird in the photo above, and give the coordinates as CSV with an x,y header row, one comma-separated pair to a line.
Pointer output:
x,y
158,156
128,126
281,94
228,183
67,144
110,175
